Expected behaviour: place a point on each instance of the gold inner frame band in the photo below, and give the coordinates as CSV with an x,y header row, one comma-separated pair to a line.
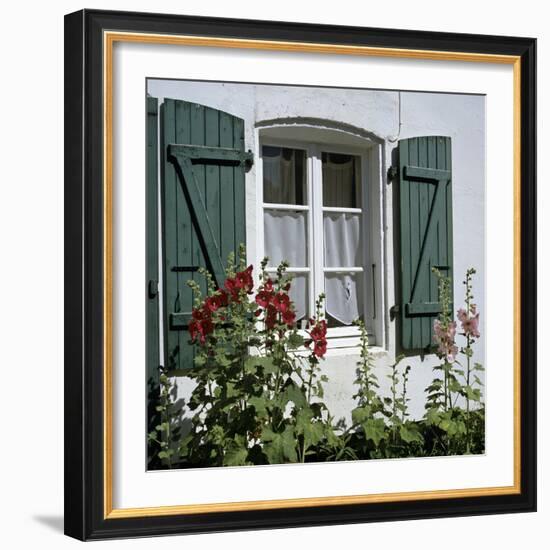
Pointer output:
x,y
109,39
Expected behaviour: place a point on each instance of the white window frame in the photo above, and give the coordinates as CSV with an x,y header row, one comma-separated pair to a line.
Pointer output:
x,y
338,337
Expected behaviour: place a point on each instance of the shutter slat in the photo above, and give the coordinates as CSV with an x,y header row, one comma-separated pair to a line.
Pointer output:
x,y
425,213
226,188
170,237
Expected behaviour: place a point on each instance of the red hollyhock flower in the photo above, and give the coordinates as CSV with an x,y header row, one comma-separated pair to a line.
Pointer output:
x,y
270,317
231,286
263,298
200,313
193,330
281,301
223,297
200,329
320,348
318,337
319,331
216,301
289,317
268,287
244,280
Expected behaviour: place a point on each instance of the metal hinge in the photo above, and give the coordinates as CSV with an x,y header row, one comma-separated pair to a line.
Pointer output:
x,y
394,311
393,172
153,288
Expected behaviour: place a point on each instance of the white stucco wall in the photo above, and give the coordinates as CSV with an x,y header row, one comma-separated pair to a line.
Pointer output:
x,y
462,117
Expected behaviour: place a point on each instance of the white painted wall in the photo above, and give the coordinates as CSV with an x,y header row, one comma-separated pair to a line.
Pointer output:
x,y
462,117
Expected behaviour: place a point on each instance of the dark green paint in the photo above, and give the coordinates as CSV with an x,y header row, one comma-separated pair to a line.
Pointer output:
x,y
151,221
425,218
203,189
217,155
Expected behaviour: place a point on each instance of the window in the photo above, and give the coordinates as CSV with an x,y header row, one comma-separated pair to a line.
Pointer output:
x,y
315,217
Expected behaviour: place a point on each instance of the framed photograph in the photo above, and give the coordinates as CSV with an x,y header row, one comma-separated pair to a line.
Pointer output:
x,y
300,274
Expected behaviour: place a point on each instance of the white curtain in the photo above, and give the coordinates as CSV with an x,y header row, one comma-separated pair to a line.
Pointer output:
x,y
341,181
298,294
285,237
344,296
342,240
280,175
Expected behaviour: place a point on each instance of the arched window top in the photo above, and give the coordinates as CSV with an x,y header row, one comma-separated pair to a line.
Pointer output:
x,y
316,130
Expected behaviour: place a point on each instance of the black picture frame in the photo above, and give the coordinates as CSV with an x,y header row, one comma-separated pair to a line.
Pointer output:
x,y
85,516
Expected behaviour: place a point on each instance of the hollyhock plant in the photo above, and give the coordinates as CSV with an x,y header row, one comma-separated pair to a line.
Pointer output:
x,y
250,352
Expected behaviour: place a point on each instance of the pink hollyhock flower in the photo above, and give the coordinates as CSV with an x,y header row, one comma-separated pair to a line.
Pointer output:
x,y
469,321
444,337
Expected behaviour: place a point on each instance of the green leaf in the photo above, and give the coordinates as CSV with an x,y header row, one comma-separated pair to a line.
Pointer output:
x,y
295,340
200,360
312,432
473,394
409,433
375,430
360,414
259,403
433,416
295,394
235,456
252,363
454,386
279,447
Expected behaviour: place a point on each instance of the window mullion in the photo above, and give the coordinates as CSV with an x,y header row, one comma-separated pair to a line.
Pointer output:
x,y
317,214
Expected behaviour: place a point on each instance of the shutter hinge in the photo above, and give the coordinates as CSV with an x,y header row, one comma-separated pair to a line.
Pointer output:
x,y
394,310
153,288
392,174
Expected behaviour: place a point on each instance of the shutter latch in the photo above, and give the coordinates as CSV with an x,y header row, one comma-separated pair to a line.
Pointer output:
x,y
394,310
392,174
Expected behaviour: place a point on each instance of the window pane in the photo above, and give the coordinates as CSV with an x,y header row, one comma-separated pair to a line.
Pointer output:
x,y
341,180
342,239
285,234
284,175
344,293
298,294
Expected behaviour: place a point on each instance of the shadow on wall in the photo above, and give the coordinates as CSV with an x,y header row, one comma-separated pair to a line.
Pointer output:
x,y
55,523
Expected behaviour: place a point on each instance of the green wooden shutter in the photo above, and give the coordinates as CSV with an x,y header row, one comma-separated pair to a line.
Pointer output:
x,y
203,198
426,235
152,269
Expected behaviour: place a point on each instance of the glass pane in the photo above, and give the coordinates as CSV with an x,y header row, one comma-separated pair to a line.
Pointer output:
x,y
343,241
299,294
345,302
285,233
284,175
341,180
